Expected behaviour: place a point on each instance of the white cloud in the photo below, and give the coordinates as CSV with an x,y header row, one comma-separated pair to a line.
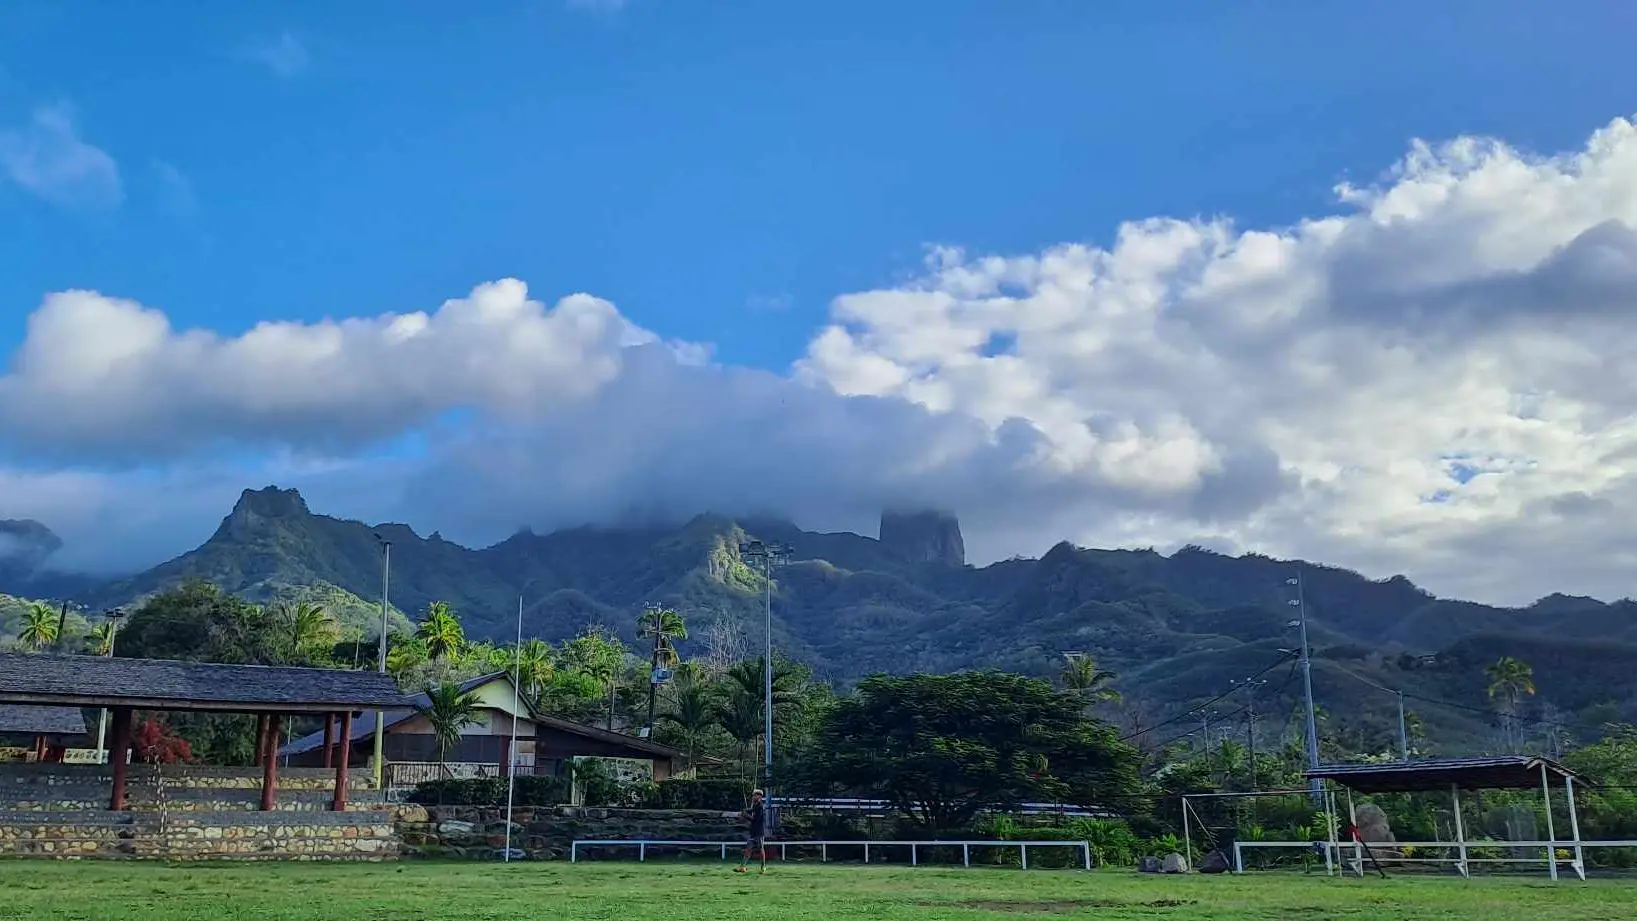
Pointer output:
x,y
285,56
47,158
1440,380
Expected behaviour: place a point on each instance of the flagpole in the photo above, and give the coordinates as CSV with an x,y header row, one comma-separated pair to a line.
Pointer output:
x,y
511,750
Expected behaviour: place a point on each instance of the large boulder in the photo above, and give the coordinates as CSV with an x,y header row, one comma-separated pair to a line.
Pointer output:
x,y
1215,862
1148,865
1174,863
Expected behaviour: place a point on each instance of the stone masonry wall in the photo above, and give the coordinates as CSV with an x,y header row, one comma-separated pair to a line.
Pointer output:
x,y
479,832
177,776
229,836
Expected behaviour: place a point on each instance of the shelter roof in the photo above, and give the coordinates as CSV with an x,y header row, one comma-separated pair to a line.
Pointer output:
x,y
1506,772
163,684
42,721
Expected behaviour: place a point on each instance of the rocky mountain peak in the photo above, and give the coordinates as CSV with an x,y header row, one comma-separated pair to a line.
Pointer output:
x,y
258,507
923,536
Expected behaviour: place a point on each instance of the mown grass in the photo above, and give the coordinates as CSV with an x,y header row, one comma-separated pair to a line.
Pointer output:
x,y
609,891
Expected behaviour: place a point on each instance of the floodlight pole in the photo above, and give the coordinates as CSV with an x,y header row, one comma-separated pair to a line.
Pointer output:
x,y
1300,604
511,748
381,662
1403,730
768,554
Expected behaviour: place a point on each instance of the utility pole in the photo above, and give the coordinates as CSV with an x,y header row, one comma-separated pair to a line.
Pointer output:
x,y
1250,685
653,667
379,762
1403,731
768,554
1300,603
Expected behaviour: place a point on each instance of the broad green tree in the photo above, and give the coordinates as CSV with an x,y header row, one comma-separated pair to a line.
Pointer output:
x,y
942,748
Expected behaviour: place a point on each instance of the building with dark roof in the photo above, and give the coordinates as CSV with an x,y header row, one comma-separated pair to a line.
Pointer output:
x,y
545,743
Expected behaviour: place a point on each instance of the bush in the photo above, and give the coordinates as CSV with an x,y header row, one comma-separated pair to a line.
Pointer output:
x,y
720,794
491,791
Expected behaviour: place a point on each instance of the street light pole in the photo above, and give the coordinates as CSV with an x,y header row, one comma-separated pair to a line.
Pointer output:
x,y
1300,603
768,554
381,662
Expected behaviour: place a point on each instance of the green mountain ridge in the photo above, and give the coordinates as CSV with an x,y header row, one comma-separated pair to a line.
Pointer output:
x,y
1176,627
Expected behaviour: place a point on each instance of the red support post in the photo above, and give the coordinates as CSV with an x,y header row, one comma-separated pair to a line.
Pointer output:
x,y
339,802
329,738
118,751
270,763
261,738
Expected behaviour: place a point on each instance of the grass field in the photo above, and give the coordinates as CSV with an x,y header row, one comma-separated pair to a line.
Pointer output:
x,y
709,892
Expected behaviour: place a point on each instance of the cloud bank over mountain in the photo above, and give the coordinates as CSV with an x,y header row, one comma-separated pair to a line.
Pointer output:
x,y
1438,379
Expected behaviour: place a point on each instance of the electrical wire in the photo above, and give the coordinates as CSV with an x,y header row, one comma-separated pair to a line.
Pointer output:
x,y
1217,699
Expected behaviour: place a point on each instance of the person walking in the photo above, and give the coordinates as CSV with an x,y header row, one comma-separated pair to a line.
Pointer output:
x,y
757,839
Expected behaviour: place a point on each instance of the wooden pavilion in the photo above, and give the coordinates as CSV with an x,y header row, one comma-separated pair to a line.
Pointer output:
x,y
46,730
272,694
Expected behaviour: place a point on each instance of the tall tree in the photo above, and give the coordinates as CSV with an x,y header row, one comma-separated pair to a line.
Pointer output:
x,y
39,627
535,667
600,656
309,630
1510,680
661,627
441,631
449,710
690,708
942,748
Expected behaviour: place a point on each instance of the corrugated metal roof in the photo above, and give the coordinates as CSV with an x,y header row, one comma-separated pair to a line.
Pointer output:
x,y
1502,772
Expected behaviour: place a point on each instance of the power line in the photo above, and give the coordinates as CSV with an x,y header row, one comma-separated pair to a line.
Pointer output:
x,y
1195,711
1408,695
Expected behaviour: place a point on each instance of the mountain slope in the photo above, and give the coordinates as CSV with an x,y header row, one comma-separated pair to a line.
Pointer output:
x,y
1178,627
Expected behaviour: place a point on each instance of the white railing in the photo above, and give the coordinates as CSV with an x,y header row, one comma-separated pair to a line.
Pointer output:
x,y
642,845
845,804
1462,851
410,773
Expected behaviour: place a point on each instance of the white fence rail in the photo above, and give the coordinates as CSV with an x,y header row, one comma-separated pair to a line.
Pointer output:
x,y
914,847
882,807
1460,853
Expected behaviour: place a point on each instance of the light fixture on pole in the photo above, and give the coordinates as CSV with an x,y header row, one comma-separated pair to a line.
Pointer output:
x,y
1250,685
378,762
770,554
113,617
1300,604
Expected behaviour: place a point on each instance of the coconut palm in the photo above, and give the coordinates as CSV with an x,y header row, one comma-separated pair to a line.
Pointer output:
x,y
662,627
1510,680
39,627
1090,683
101,640
449,710
691,708
535,667
308,627
440,629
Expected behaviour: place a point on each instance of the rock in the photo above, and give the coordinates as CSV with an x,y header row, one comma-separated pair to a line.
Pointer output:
x,y
1174,863
923,537
1373,826
1215,862
454,828
1148,865
514,854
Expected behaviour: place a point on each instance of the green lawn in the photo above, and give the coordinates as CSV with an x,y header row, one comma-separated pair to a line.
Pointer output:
x,y
709,892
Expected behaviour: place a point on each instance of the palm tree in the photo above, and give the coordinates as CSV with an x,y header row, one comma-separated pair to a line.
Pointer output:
x,y
449,710
1510,680
39,627
692,708
535,668
1090,683
441,631
308,626
744,710
663,626
101,640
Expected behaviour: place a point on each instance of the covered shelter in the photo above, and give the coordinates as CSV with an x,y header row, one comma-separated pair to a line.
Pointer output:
x,y
46,731
1505,772
123,686
544,744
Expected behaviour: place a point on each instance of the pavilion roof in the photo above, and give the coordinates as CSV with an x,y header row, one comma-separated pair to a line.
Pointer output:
x,y
41,721
1505,772
163,684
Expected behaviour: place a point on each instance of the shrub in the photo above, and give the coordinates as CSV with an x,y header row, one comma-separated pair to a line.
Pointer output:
x,y
491,791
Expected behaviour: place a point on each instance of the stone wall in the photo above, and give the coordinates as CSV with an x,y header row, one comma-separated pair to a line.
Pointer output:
x,y
479,832
200,836
177,776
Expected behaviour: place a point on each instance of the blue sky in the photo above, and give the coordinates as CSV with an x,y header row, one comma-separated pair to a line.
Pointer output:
x,y
1165,325
721,170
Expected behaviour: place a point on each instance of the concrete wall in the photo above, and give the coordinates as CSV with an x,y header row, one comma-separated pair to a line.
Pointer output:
x,y
205,836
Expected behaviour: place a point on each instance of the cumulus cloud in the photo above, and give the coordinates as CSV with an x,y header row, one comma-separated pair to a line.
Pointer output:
x,y
47,158
1438,379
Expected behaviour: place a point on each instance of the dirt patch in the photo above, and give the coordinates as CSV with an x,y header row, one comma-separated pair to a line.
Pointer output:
x,y
1061,906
